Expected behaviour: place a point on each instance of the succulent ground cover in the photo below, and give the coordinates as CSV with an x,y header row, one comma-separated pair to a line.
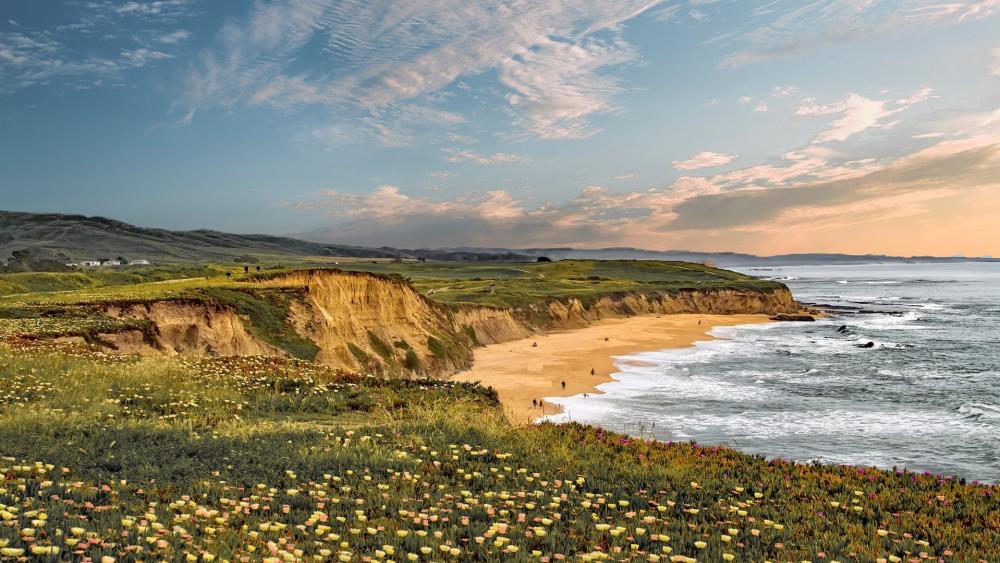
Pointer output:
x,y
109,457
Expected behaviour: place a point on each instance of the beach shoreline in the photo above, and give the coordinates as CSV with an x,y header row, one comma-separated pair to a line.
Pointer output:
x,y
571,362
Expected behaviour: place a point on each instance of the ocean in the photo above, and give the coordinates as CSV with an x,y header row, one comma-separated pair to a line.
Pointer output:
x,y
925,396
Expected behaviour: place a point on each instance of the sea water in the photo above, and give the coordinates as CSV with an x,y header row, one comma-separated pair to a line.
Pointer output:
x,y
925,397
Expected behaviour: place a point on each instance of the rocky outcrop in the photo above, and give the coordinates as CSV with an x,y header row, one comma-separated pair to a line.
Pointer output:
x,y
793,317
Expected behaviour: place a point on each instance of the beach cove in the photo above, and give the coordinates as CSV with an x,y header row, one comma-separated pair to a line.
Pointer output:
x,y
572,362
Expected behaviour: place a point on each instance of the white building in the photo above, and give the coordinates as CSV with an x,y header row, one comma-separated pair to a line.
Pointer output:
x,y
90,263
139,263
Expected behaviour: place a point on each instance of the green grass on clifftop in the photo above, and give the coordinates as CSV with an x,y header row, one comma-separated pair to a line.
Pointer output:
x,y
522,284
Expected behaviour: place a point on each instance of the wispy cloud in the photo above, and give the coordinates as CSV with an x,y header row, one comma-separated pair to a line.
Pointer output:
x,y
33,56
456,156
388,204
174,37
141,56
29,59
784,91
781,28
391,127
995,64
555,86
706,159
858,113
160,9
546,56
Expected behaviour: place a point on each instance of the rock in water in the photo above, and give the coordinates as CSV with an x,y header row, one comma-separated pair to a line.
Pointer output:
x,y
788,317
868,344
842,329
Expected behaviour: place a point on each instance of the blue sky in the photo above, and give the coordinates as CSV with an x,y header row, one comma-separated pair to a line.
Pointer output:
x,y
773,126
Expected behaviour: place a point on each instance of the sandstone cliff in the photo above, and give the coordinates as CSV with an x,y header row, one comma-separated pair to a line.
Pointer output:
x,y
362,321
186,328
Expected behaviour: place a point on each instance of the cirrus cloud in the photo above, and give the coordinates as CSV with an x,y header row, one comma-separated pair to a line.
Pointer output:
x,y
546,55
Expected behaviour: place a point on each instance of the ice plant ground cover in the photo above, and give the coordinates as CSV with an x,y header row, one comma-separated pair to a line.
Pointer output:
x,y
251,458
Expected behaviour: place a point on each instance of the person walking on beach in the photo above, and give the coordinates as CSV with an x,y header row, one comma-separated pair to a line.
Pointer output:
x,y
563,384
592,372
534,403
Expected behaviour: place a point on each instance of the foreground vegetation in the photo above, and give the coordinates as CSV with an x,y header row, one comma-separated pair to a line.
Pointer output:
x,y
250,458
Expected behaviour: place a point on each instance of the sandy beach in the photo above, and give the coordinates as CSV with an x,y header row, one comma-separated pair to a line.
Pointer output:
x,y
538,367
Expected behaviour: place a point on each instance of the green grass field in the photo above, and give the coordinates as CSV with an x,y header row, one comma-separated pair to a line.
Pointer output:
x,y
520,285
244,459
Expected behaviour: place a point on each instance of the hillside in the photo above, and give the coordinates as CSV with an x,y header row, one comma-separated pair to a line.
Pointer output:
x,y
89,238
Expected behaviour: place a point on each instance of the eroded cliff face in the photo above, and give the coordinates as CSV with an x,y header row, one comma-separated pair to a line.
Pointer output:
x,y
573,313
491,325
186,328
366,322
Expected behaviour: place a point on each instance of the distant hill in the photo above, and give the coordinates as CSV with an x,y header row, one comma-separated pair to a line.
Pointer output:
x,y
721,259
59,237
77,237
55,238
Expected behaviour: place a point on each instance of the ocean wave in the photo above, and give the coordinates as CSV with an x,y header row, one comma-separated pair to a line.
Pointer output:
x,y
902,321
838,427
980,411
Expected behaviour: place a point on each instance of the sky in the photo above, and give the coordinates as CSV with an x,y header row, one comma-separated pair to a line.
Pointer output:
x,y
770,127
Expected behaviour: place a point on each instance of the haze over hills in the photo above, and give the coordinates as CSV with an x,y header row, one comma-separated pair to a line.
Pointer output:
x,y
727,259
78,237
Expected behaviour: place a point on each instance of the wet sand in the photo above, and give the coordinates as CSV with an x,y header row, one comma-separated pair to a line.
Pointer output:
x,y
522,371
